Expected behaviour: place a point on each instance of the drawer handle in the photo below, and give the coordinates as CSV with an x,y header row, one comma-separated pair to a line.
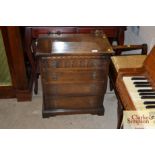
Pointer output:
x,y
98,32
58,32
54,64
94,75
54,77
95,64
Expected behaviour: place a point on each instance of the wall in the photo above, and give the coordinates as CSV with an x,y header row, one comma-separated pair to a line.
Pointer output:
x,y
140,34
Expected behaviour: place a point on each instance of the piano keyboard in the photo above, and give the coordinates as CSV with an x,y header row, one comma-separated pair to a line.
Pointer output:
x,y
141,92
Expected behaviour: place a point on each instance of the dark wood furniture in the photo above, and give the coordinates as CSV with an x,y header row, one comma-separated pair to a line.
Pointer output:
x,y
20,85
114,33
74,70
30,33
147,70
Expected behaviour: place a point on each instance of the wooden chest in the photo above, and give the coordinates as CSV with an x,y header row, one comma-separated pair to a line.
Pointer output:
x,y
74,70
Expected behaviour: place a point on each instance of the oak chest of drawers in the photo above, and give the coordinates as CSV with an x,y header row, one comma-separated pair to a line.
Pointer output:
x,y
74,71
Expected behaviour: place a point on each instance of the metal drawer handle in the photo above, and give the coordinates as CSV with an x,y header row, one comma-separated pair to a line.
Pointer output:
x,y
98,32
54,77
94,75
95,64
57,32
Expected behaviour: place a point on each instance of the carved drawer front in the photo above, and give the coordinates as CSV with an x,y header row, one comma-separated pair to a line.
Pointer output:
x,y
74,62
97,63
73,102
72,89
50,63
50,75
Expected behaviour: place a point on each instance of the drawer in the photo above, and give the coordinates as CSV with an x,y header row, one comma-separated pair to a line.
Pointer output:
x,y
54,75
73,102
74,89
36,31
110,32
74,62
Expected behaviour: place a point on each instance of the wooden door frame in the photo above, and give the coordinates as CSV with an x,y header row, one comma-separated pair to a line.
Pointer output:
x,y
14,50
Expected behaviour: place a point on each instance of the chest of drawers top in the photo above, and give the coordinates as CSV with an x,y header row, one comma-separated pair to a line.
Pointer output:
x,y
72,44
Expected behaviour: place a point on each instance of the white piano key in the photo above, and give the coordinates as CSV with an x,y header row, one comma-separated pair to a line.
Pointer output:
x,y
134,94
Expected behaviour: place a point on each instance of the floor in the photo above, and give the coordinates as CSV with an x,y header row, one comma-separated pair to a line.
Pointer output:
x,y
27,115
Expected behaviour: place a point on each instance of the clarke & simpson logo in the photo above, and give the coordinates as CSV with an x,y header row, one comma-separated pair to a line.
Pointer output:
x,y
139,119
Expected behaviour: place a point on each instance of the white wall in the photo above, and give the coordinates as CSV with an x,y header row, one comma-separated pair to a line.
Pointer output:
x,y
143,34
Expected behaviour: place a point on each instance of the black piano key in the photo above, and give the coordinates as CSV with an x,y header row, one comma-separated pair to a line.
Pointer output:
x,y
149,102
146,90
143,85
147,97
151,93
150,106
138,78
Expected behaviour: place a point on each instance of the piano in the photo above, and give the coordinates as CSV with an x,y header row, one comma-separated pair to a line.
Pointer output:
x,y
136,87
